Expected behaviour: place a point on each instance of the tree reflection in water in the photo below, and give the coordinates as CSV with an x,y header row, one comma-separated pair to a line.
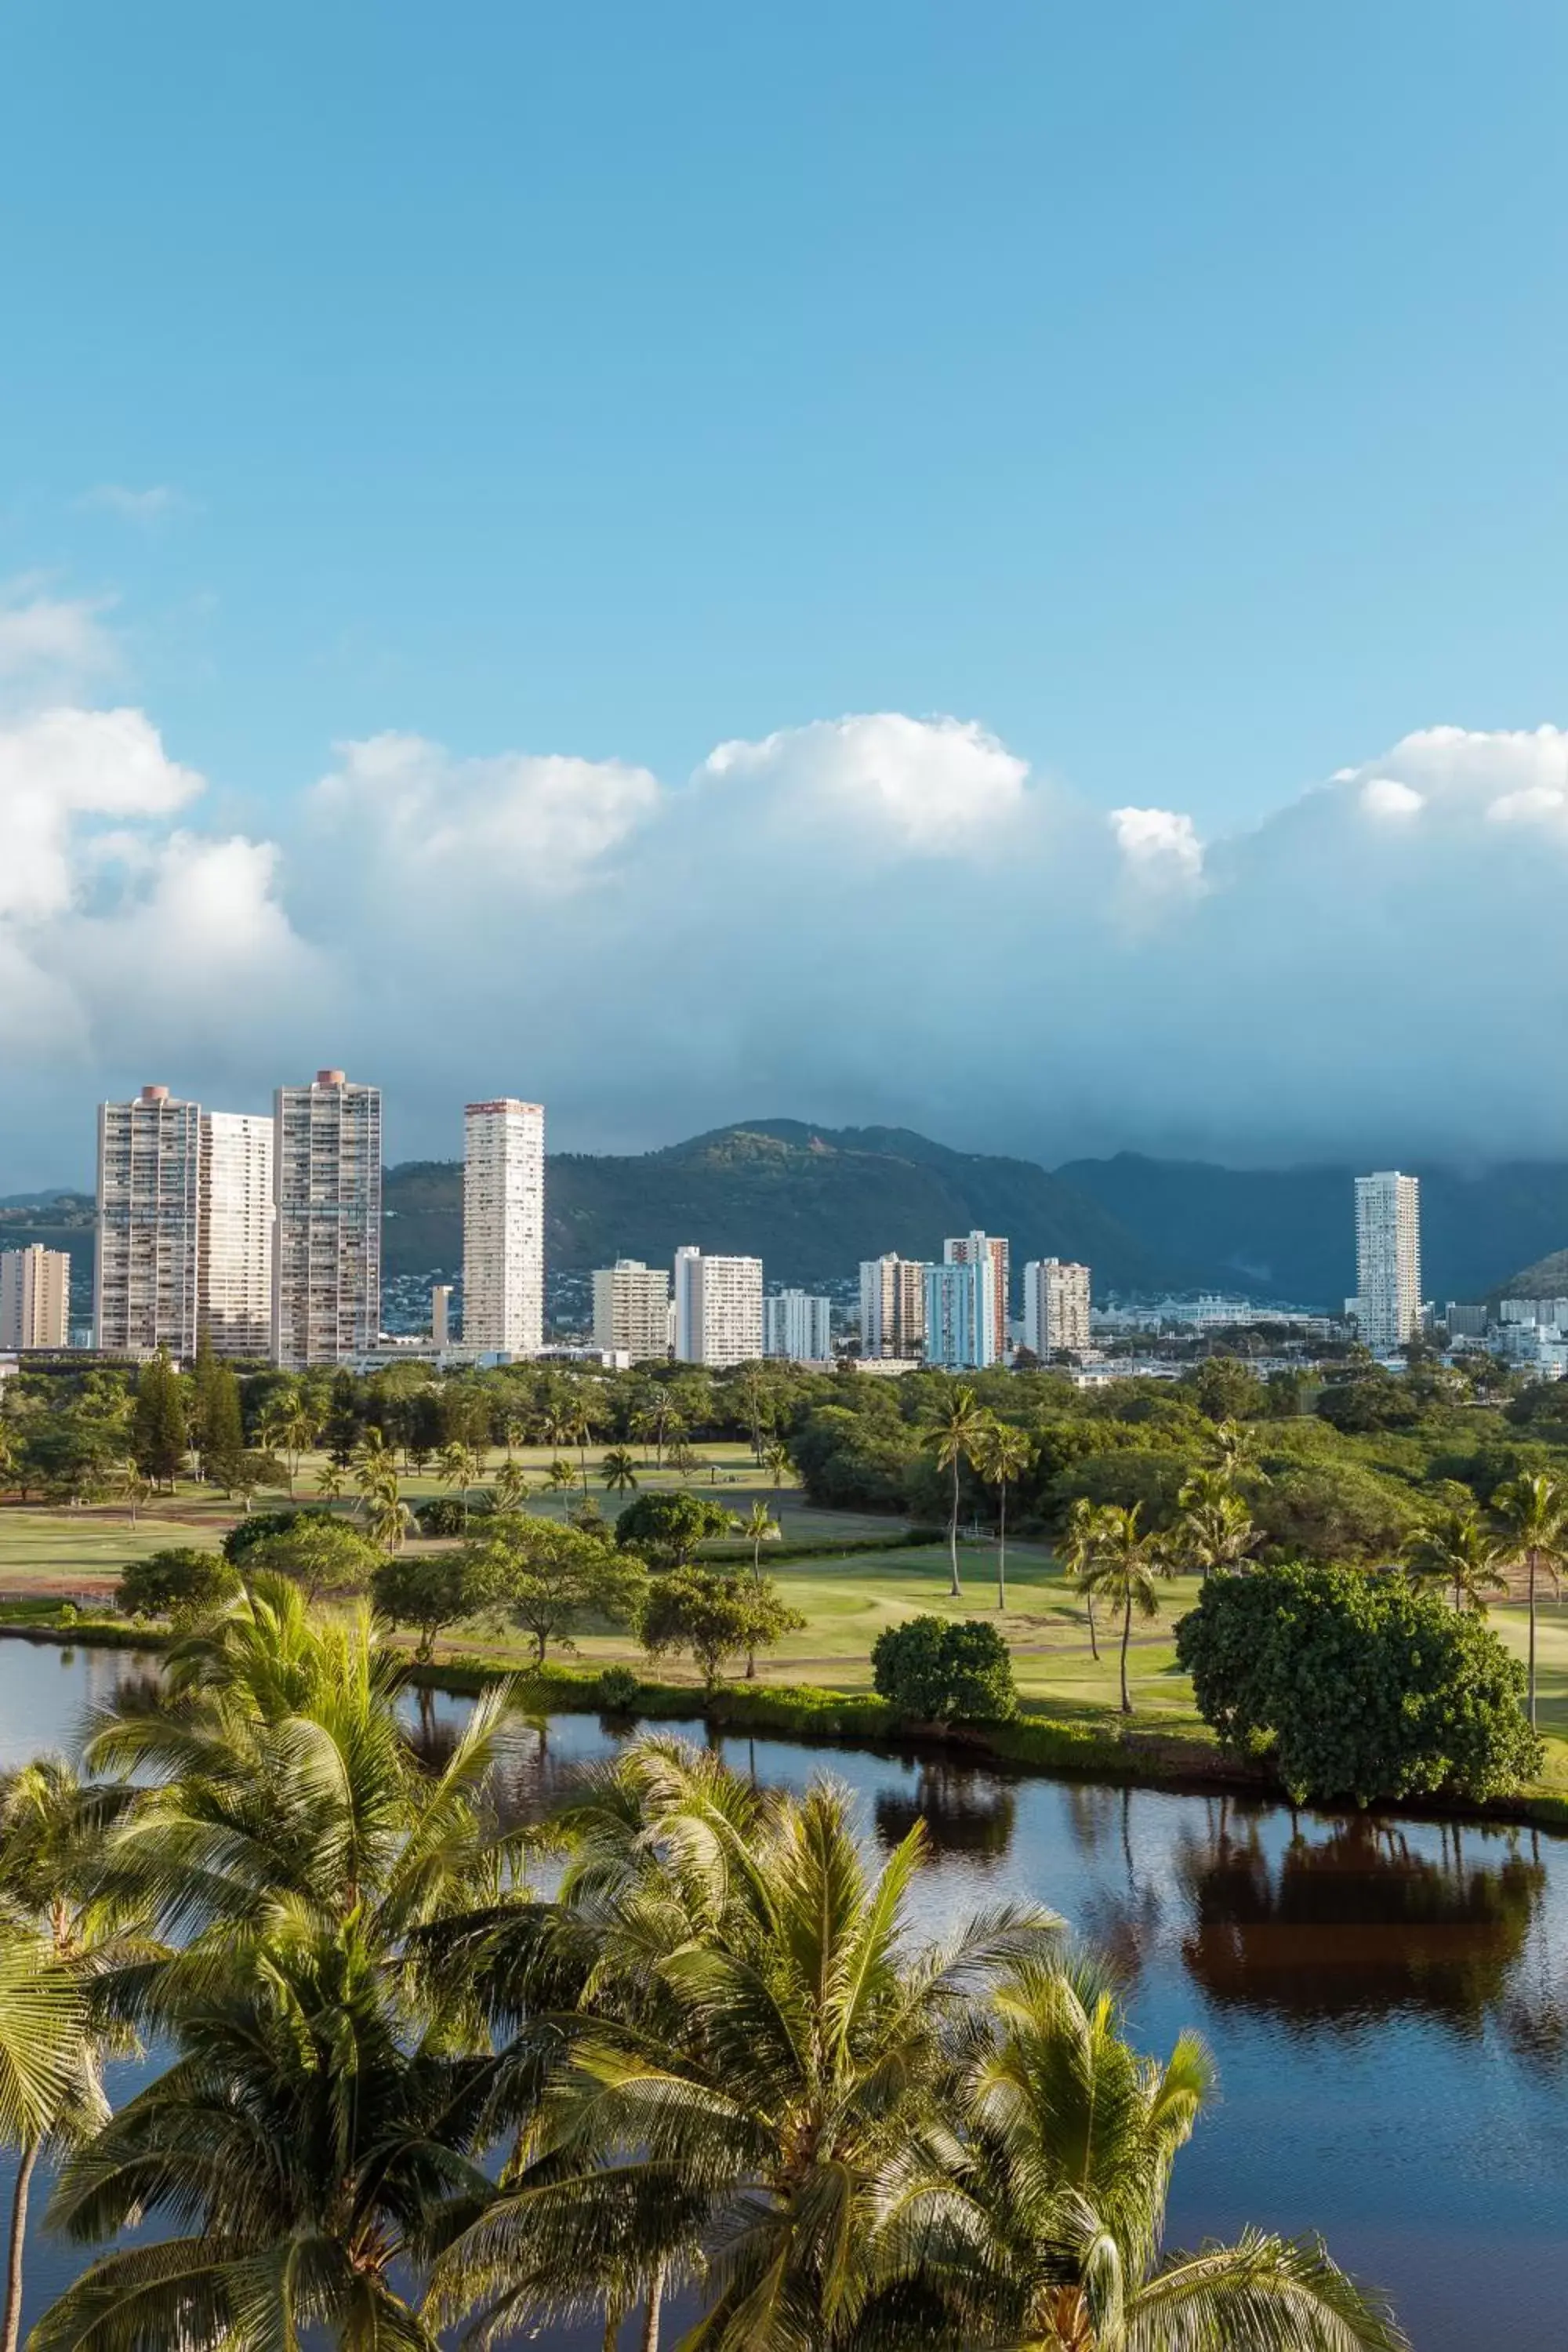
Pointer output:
x,y
964,1811
1357,1923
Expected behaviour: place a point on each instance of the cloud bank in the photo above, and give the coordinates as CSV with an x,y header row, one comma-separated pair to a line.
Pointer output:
x,y
874,918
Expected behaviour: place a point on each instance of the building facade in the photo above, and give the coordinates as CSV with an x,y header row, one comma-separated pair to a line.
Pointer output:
x,y
631,1309
326,1234
146,1284
961,1313
718,1309
797,1324
35,1299
892,1307
1387,1304
1055,1306
968,1249
234,1246
503,1227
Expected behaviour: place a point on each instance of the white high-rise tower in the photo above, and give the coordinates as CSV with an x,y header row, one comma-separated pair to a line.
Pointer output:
x,y
503,1227
145,1290
326,1235
234,1248
1387,1304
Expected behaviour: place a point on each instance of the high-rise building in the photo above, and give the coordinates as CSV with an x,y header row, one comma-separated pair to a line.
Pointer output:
x,y
966,1249
145,1285
718,1309
35,1298
234,1234
1055,1306
797,1324
326,1234
961,1313
441,1315
1387,1304
503,1227
892,1307
631,1309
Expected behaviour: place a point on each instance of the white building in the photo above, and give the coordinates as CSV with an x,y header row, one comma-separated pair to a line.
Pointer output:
x,y
892,1307
1055,1306
631,1309
35,1299
440,1314
718,1309
234,1247
969,1249
145,1285
961,1313
1387,1304
326,1235
798,1323
503,1227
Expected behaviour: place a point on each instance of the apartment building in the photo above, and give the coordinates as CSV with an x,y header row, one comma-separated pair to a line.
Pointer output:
x,y
718,1309
146,1284
35,1299
968,1249
326,1238
631,1309
234,1234
503,1227
961,1313
1387,1304
797,1324
892,1307
1055,1306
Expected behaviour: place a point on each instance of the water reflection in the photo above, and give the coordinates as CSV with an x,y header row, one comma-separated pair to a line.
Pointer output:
x,y
964,1811
1356,1922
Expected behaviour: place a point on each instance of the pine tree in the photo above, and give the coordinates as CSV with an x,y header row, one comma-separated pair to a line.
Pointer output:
x,y
343,1432
158,1426
223,1441
203,1385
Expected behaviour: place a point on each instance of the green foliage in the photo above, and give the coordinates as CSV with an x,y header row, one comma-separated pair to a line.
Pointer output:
x,y
1130,1479
446,1515
180,1582
320,1552
934,1670
158,1422
1334,1510
1223,1389
431,1591
715,1614
1364,1688
552,1578
617,1690
246,1533
666,1529
1369,1398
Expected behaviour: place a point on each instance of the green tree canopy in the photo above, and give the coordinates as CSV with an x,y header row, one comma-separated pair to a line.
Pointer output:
x,y
179,1582
715,1615
550,1578
933,1670
319,1553
666,1529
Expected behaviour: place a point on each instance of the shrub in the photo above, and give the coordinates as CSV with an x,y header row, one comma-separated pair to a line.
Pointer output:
x,y
178,1582
617,1690
1361,1687
931,1670
716,1615
443,1515
666,1529
259,1527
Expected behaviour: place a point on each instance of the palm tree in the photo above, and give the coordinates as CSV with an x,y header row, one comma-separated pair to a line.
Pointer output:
x,y
953,1440
1043,2227
386,1515
511,1485
767,2040
132,1487
1457,1551
617,1470
1533,1509
1004,1453
560,1475
1234,1451
458,1468
1215,1529
1123,1566
328,1482
776,1461
296,1433
43,2037
1078,1553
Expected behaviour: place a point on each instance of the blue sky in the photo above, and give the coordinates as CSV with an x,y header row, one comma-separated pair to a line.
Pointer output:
x,y
1173,392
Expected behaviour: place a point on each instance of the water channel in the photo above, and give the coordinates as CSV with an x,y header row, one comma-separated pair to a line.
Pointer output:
x,y
1387,2000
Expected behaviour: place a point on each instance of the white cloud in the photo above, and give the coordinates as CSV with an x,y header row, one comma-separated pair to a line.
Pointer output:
x,y
1160,847
930,786
1386,796
143,507
1531,803
52,647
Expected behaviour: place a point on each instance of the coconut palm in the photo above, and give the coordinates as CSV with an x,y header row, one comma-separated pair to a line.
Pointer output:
x,y
617,1470
1215,1530
953,1440
1041,2228
1122,1567
759,1527
330,1482
1079,1551
1233,1452
1456,1551
560,1475
458,1468
776,1461
1004,1453
133,1488
767,2041
511,1487
44,2034
1534,1513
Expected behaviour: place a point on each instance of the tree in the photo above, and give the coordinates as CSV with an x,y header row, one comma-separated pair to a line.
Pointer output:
x,y
458,1469
953,1442
180,1582
759,1527
318,1553
617,1470
1335,1511
511,1487
1533,1512
666,1529
1215,1529
1360,1687
930,1670
776,1461
1046,2225
1455,1550
133,1486
435,1589
716,1615
550,1578
330,1481
1226,1390
158,1423
1005,1453
1079,1552
220,1432
1121,1569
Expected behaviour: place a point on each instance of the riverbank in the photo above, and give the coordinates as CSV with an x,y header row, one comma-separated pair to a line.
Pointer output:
x,y
1101,1747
